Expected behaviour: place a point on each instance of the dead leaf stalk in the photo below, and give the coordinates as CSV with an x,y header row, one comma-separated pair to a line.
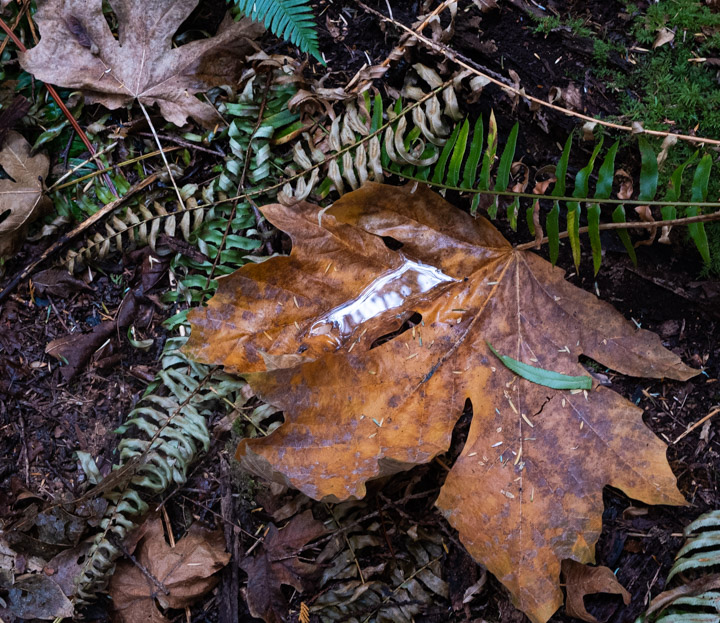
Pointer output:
x,y
162,154
58,186
700,218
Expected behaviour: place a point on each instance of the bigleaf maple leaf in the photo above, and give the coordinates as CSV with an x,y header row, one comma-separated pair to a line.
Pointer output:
x,y
526,491
77,50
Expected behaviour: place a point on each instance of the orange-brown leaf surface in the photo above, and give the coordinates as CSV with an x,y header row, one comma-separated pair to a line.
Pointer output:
x,y
77,50
182,573
526,491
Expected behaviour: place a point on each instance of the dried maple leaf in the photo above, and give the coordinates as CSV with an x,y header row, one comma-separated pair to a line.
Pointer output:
x,y
526,491
77,50
21,196
276,563
183,573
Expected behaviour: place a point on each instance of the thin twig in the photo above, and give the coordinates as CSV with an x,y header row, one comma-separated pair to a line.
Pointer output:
x,y
701,218
470,65
124,163
162,154
58,100
700,422
182,142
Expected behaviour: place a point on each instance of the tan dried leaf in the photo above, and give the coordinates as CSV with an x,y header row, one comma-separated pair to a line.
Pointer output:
x,y
581,580
21,197
526,491
77,50
184,572
664,35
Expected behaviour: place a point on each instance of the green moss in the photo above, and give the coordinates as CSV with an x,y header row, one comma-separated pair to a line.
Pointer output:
x,y
546,25
667,89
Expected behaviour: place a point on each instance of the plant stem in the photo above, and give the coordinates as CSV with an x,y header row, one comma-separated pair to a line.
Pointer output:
x,y
700,218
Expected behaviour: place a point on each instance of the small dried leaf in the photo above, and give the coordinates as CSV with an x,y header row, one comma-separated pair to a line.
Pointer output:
x,y
581,580
184,572
35,596
21,198
276,563
665,35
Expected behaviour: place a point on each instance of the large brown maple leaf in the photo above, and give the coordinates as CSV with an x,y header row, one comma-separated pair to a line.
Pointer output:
x,y
77,50
526,492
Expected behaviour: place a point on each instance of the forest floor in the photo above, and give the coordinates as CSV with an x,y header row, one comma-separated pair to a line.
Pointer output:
x,y
45,418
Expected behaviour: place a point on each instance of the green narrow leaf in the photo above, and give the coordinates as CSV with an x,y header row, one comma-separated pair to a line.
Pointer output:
x,y
675,183
377,113
439,171
669,213
540,376
648,170
471,165
470,170
529,220
552,223
593,216
580,191
489,156
552,227
503,175
458,154
603,189
699,193
619,217
561,169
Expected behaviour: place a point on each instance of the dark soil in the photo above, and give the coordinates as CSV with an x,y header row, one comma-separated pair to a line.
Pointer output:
x,y
44,420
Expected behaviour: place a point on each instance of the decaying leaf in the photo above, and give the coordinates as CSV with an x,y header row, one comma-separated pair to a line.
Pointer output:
x,y
183,573
21,198
581,580
276,563
526,491
77,50
35,596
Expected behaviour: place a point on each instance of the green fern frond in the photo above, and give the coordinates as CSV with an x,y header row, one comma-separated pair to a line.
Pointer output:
x,y
424,142
698,561
291,20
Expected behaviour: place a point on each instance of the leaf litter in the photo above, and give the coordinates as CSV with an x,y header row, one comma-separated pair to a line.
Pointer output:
x,y
305,331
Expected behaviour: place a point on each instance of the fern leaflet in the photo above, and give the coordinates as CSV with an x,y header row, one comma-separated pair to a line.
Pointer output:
x,y
291,20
